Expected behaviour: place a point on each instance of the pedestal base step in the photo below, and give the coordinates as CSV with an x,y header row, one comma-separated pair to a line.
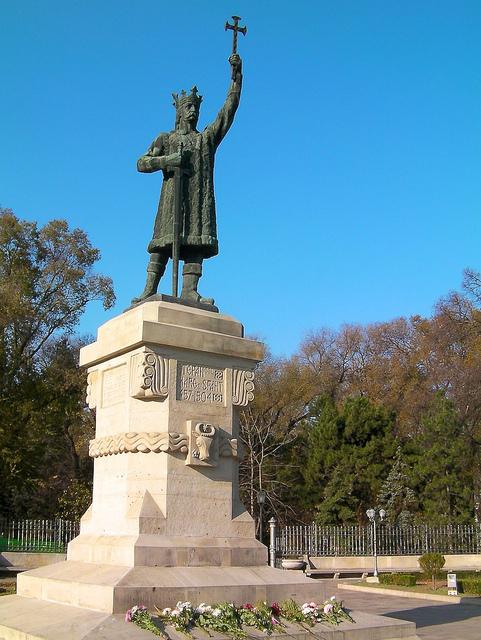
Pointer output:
x,y
30,619
114,589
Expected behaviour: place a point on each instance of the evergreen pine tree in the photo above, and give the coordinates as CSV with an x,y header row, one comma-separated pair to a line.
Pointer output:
x,y
443,468
395,496
347,458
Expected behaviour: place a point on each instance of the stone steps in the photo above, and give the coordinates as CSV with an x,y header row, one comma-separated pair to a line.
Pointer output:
x,y
24,618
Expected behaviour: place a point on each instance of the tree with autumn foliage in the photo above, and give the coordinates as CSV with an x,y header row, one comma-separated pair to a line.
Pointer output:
x,y
423,375
46,280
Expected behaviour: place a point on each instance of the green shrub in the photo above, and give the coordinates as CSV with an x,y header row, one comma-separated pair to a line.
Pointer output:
x,y
468,574
470,585
401,579
431,565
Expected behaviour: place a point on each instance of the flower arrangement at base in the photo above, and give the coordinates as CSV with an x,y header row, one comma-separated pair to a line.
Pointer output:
x,y
231,620
331,612
139,615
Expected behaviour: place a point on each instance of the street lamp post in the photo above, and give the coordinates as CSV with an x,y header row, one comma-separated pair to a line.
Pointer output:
x,y
272,542
372,515
261,498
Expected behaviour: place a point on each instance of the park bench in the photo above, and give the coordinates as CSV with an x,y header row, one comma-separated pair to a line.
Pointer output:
x,y
336,573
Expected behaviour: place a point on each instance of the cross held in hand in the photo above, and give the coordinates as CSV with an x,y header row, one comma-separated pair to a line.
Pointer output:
x,y
235,28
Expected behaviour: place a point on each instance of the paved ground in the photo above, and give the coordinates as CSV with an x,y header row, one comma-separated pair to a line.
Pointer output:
x,y
434,620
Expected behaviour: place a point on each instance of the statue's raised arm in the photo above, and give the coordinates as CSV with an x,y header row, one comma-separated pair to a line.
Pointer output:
x,y
225,117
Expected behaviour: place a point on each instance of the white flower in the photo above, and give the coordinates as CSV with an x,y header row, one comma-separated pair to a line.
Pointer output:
x,y
166,611
333,597
203,608
328,608
216,613
175,613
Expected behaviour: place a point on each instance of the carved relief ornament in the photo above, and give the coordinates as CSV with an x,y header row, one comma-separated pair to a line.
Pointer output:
x,y
149,376
242,387
92,389
207,443
202,444
143,442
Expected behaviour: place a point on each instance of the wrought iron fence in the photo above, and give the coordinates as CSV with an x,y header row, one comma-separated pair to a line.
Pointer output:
x,y
317,540
43,536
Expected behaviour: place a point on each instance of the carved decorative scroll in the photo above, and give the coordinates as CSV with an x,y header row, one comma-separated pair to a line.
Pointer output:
x,y
149,376
143,442
242,387
92,389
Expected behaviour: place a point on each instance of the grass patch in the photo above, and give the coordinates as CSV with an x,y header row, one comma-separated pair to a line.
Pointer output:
x,y
35,547
419,588
8,587
400,579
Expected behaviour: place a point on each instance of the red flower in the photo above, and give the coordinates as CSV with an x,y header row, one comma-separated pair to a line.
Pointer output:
x,y
275,608
248,606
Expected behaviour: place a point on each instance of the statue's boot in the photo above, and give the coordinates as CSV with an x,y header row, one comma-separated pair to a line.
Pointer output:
x,y
155,270
191,274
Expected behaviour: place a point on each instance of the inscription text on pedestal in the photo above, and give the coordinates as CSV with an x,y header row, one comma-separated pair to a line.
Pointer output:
x,y
114,386
196,383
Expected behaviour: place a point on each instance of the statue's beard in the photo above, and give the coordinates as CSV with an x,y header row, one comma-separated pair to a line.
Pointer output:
x,y
190,121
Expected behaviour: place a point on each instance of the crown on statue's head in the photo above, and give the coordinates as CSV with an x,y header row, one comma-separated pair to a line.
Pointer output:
x,y
193,96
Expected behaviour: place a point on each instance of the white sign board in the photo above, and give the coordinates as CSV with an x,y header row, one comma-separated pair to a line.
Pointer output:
x,y
452,585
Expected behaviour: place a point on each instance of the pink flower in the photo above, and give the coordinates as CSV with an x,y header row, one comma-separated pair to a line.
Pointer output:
x,y
274,621
128,616
328,608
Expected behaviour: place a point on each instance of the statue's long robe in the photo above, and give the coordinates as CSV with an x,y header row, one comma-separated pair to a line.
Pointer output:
x,y
198,227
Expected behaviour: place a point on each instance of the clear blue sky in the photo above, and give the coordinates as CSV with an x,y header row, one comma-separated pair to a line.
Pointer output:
x,y
348,189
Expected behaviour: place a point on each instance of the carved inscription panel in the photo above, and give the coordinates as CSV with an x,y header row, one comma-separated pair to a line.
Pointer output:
x,y
196,383
114,383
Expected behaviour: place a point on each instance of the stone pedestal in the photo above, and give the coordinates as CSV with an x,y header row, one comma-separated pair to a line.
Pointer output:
x,y
167,383
166,522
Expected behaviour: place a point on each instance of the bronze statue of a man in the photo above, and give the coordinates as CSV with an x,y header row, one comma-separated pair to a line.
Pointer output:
x,y
194,153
